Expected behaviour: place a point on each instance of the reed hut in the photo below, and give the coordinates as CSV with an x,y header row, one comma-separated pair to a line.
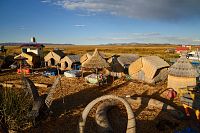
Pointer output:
x,y
96,61
182,74
53,57
70,62
150,69
120,63
32,59
88,55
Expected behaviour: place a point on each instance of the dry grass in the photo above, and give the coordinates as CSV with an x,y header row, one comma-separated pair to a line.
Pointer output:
x,y
109,50
76,94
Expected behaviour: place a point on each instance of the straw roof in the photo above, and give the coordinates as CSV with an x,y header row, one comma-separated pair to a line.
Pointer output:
x,y
74,58
100,53
95,61
183,68
85,57
89,54
125,59
20,57
59,52
149,65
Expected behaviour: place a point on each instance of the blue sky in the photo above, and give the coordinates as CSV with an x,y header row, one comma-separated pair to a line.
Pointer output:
x,y
100,21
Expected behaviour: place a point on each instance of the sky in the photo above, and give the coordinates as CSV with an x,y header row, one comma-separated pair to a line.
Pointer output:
x,y
100,21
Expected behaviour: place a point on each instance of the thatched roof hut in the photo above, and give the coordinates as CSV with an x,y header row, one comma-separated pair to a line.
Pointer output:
x,y
120,63
182,74
95,61
32,59
53,57
88,55
150,69
70,62
126,59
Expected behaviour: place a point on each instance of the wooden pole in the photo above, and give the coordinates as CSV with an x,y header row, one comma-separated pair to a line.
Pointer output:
x,y
82,72
97,76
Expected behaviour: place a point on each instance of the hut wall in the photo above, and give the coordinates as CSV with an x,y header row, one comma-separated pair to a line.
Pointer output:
x,y
50,55
36,61
69,62
148,68
138,76
49,62
29,58
135,66
116,74
161,76
180,82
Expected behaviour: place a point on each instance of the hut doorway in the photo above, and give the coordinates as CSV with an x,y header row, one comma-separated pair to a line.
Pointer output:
x,y
76,65
52,62
66,64
46,64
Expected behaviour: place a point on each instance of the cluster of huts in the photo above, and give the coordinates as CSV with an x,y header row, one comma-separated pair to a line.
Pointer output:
x,y
150,69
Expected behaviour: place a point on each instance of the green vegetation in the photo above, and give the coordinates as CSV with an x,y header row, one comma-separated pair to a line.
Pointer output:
x,y
14,108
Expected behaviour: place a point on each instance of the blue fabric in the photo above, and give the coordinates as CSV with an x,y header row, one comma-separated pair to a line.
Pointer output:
x,y
187,130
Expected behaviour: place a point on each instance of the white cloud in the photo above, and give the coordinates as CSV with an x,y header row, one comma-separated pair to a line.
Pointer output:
x,y
152,37
79,25
142,9
45,1
21,27
86,14
196,41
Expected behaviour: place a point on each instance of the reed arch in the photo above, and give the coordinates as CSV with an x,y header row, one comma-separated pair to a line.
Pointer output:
x,y
131,125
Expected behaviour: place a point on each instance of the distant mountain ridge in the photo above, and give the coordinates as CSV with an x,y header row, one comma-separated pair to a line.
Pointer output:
x,y
22,43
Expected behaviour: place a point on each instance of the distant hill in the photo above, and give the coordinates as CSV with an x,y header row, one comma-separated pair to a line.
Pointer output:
x,y
22,43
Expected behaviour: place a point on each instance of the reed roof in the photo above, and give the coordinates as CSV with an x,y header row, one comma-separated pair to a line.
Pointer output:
x,y
95,61
183,68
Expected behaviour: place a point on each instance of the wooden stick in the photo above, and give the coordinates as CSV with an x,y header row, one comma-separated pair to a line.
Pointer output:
x,y
19,86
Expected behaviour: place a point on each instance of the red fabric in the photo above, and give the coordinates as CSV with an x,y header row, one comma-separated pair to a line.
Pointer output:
x,y
171,94
182,48
25,71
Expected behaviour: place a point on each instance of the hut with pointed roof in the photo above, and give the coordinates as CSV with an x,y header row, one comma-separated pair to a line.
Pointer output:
x,y
88,55
182,74
96,61
53,57
150,69
70,62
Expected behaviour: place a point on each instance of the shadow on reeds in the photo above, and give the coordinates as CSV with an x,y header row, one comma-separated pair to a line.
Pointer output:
x,y
161,123
63,107
65,118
